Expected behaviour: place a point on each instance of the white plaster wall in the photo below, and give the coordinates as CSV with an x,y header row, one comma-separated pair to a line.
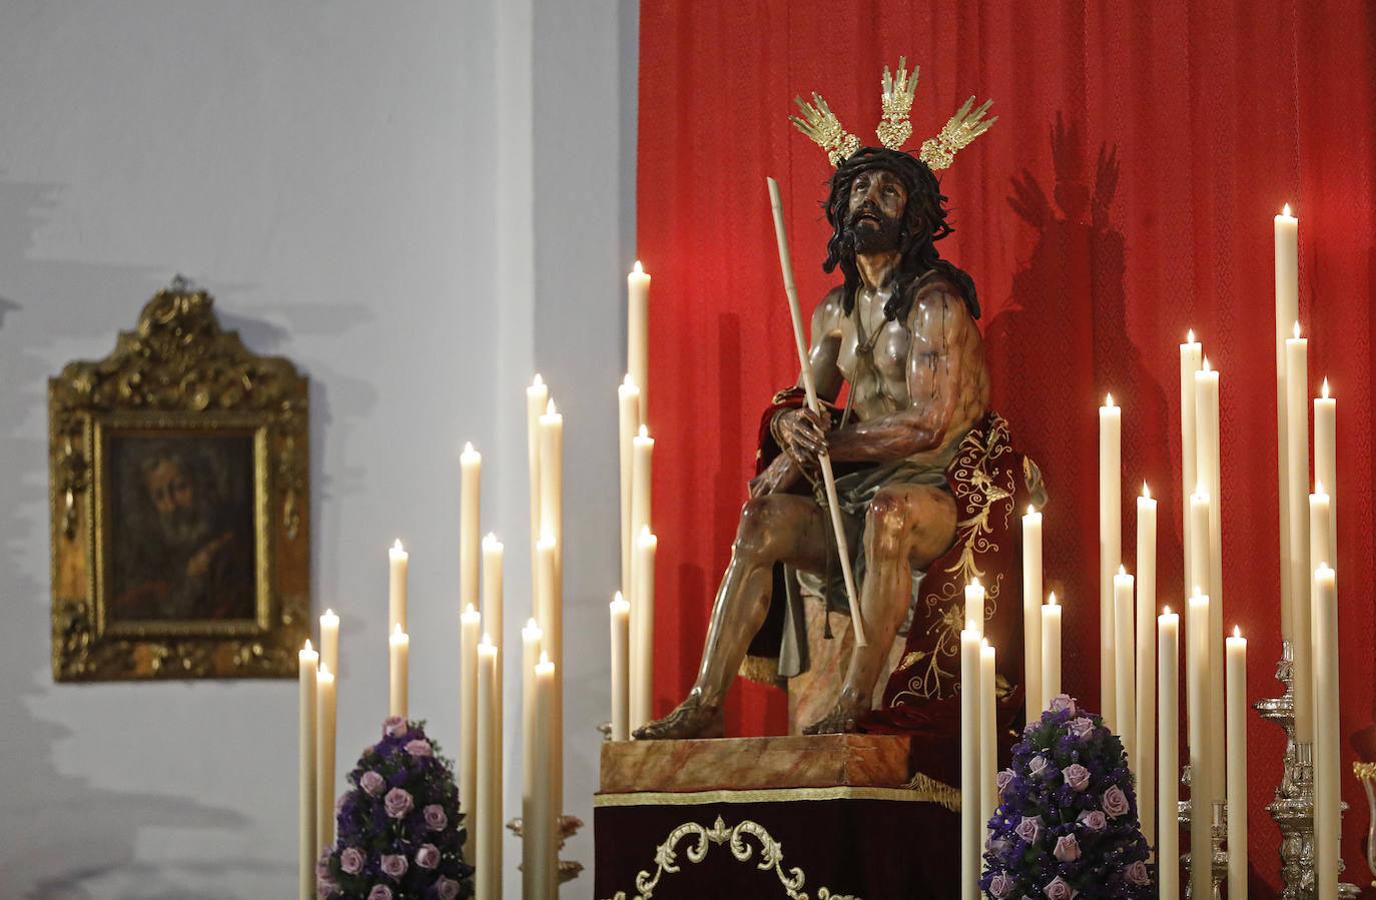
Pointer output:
x,y
416,202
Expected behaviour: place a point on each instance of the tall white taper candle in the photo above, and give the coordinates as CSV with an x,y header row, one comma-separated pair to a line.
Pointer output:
x,y
470,627
1124,674
1207,447
1110,549
533,777
307,844
1032,611
537,398
470,484
1051,651
1297,487
1189,364
970,782
628,425
1145,765
620,613
1168,754
1327,750
1201,734
324,757
489,826
1286,229
1326,465
988,731
1237,766
638,333
397,562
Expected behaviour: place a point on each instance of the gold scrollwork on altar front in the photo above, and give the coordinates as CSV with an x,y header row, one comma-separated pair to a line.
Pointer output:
x,y
771,855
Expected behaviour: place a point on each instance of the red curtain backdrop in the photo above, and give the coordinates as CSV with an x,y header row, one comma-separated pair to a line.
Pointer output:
x,y
1125,195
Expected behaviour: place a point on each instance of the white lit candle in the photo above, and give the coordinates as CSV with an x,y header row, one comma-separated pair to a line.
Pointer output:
x,y
1199,537
397,561
308,846
1032,611
1051,651
1168,754
537,398
628,426
1328,737
1190,354
1125,692
399,650
329,640
1145,730
642,468
550,617
324,756
1110,548
621,645
470,626
1326,464
544,815
1237,766
638,332
1287,312
493,604
534,782
1207,447
470,481
643,630
1297,487
974,607
971,804
489,825
552,484
1201,735
988,731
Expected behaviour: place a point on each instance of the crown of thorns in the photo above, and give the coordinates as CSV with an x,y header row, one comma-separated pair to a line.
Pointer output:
x,y
819,123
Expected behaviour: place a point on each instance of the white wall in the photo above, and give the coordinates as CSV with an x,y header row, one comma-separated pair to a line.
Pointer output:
x,y
417,203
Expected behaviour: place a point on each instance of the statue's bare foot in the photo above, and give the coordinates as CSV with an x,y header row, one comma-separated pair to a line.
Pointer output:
x,y
691,719
840,720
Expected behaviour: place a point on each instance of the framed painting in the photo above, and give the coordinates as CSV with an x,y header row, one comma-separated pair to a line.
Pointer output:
x,y
179,503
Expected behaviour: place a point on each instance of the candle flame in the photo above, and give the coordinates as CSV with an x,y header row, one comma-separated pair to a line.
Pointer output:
x,y
1051,599
1325,388
1122,570
974,582
328,613
486,643
644,433
467,447
544,658
490,540
1297,329
396,630
307,648
325,671
1167,609
617,598
1189,336
1108,401
628,381
1286,210
1198,593
1318,488
1031,510
531,627
638,268
1237,631
1146,491
537,381
550,408
984,644
396,545
1207,367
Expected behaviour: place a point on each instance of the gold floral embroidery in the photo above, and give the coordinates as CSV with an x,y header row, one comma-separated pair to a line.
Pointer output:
x,y
979,485
770,857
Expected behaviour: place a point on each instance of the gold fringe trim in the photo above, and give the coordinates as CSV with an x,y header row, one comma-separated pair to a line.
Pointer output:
x,y
933,791
762,669
758,795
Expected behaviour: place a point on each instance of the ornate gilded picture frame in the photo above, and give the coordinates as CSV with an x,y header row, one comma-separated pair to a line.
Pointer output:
x,y
180,498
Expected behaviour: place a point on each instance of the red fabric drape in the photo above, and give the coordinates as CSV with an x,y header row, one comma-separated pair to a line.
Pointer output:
x,y
1125,194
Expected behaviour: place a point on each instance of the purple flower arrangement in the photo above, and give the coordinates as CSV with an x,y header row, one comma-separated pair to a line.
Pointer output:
x,y
1066,825
400,832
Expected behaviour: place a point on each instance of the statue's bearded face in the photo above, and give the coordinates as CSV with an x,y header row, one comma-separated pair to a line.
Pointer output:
x,y
874,215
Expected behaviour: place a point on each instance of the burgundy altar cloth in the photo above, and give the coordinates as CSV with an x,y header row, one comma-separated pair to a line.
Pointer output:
x,y
853,847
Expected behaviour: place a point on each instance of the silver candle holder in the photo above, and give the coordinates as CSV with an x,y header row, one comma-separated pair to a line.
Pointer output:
x,y
1293,806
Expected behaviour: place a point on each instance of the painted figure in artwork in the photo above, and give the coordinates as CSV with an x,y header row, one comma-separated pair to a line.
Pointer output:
x,y
900,333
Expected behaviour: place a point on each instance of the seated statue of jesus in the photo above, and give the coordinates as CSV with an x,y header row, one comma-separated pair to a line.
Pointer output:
x,y
900,334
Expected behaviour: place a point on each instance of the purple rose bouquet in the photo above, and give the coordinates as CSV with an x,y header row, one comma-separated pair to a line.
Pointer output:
x,y
1066,825
401,834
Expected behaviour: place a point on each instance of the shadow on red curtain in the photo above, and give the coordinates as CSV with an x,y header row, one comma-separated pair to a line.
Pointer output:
x,y
1125,195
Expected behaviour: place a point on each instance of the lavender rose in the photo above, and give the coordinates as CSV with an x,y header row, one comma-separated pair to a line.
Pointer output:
x,y
1067,848
1077,776
398,802
1081,727
1115,802
1029,829
428,856
351,860
447,888
1136,873
435,819
1093,820
1037,765
1056,890
325,888
380,892
395,865
1003,780
1001,885
372,783
419,748
1063,703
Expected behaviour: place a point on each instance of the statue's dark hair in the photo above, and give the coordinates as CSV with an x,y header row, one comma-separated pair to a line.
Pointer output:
x,y
924,223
